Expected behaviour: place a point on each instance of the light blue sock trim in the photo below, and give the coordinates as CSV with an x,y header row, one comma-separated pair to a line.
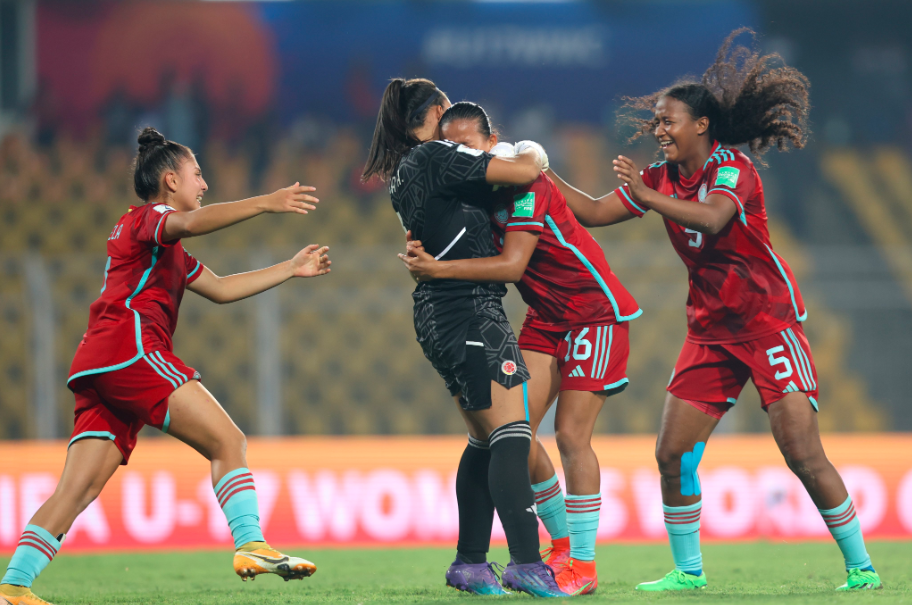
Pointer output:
x,y
241,510
690,481
28,560
683,526
583,527
525,386
845,528
167,423
552,511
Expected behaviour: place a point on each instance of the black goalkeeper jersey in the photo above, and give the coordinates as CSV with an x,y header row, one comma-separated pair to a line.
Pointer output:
x,y
440,194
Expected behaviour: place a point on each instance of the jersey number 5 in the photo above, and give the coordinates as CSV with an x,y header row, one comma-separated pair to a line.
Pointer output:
x,y
696,241
775,361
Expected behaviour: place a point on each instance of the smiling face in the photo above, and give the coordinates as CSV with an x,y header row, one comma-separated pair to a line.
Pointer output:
x,y
186,186
678,133
466,132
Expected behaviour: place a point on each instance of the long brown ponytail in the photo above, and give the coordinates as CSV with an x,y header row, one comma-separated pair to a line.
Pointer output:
x,y
403,109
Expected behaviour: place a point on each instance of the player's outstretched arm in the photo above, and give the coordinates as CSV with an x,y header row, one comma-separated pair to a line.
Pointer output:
x,y
709,217
591,211
309,262
218,216
506,267
521,169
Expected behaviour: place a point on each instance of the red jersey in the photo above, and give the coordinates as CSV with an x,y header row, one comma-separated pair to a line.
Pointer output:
x,y
568,282
740,289
144,282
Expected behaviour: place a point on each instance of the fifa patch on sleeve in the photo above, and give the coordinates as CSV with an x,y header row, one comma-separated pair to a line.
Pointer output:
x,y
727,176
524,205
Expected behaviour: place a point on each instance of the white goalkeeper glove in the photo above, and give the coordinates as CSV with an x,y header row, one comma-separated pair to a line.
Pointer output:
x,y
523,145
503,150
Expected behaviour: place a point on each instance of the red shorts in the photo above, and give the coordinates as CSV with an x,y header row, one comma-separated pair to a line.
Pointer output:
x,y
710,377
592,358
116,405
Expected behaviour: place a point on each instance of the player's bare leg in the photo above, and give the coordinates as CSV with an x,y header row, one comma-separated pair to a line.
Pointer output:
x,y
683,426
89,464
542,389
794,424
679,447
198,420
574,422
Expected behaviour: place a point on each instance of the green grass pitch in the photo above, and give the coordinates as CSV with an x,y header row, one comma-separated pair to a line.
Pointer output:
x,y
752,572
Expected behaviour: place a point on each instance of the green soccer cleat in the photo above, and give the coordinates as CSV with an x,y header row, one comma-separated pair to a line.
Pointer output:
x,y
675,580
862,579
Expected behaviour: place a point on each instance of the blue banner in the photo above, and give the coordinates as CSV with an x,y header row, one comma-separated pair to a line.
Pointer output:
x,y
575,57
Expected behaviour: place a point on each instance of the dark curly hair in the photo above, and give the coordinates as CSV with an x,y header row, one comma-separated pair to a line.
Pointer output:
x,y
748,99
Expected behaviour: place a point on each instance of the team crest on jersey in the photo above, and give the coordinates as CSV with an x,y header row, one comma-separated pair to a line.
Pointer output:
x,y
162,208
508,367
502,216
701,195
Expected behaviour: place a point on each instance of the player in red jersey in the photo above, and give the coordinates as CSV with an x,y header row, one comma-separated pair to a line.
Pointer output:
x,y
125,374
744,308
574,339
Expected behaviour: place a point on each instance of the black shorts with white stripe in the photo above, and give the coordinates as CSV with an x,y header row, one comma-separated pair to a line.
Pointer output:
x,y
491,354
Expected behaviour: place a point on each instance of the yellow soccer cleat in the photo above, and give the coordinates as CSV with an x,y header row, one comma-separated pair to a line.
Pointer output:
x,y
19,595
255,558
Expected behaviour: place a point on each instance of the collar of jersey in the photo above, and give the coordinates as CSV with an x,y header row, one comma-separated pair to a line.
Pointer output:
x,y
696,176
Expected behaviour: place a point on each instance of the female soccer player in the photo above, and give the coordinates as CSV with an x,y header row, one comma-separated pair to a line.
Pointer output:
x,y
442,193
744,311
125,375
574,339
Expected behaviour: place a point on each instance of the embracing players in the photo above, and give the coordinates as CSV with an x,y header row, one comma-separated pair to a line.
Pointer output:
x,y
125,374
574,339
744,311
442,193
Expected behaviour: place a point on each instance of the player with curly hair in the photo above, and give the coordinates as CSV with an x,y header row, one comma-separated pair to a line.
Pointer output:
x,y
744,310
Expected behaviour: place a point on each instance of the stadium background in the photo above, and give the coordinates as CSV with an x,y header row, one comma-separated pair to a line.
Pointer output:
x,y
273,92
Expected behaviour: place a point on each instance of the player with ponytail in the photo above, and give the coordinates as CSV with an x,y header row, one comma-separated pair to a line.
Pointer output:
x,y
125,374
442,193
574,339
744,310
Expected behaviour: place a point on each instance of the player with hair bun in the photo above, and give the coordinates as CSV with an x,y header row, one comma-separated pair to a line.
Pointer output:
x,y
125,375
744,311
575,339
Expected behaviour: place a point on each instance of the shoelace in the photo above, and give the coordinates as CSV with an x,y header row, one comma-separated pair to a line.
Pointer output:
x,y
496,569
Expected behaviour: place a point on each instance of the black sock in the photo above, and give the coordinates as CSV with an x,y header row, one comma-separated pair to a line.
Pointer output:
x,y
511,489
476,508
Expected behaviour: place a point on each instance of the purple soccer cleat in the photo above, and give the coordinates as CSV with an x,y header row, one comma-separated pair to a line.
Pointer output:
x,y
536,579
476,578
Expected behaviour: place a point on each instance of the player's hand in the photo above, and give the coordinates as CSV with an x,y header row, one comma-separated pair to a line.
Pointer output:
x,y
523,145
420,264
290,199
311,261
412,246
628,172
